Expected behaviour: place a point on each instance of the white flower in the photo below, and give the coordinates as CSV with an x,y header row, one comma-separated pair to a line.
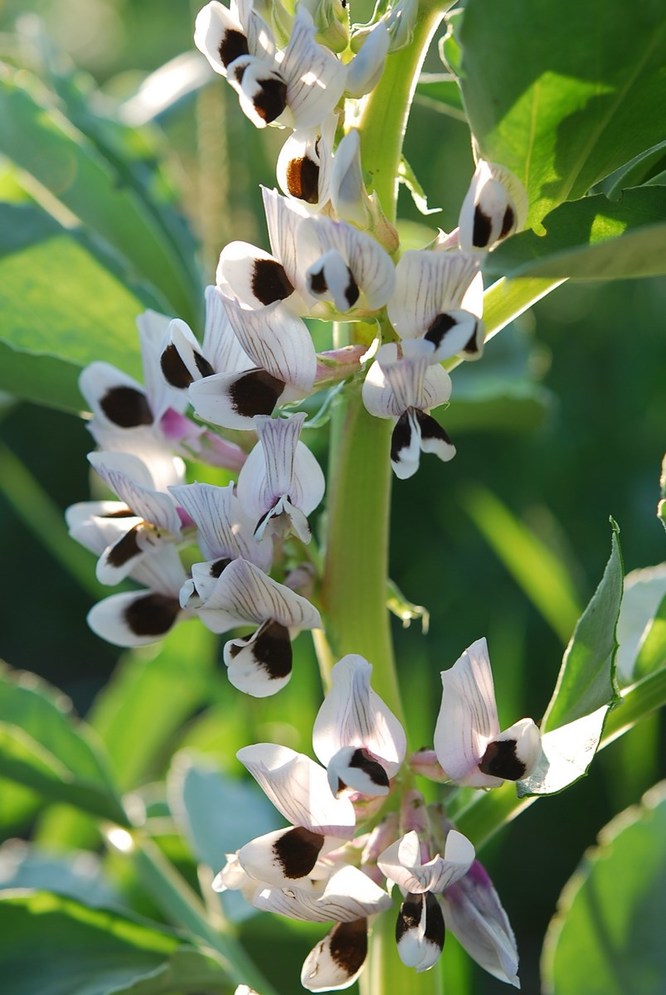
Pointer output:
x,y
337,960
355,734
403,385
494,207
439,297
281,481
468,741
365,69
419,931
304,164
403,863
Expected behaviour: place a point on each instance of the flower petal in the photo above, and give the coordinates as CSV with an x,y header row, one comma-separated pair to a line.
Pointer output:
x,y
220,345
428,283
337,960
233,399
476,918
217,514
315,77
456,331
419,931
251,276
353,715
115,398
365,69
278,342
132,619
467,719
132,481
304,164
219,36
402,863
287,857
371,268
349,895
298,788
260,664
494,207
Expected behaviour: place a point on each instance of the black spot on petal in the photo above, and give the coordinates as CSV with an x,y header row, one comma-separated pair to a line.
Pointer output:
x,y
269,281
239,72
272,649
401,437
442,324
297,852
151,614
434,930
271,99
508,221
126,407
120,513
472,345
303,179
352,293
431,429
174,369
409,917
232,46
348,945
217,568
255,393
482,229
317,282
125,549
500,760
361,760
203,366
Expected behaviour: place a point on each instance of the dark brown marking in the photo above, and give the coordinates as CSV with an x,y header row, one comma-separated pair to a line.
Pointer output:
x,y
272,649
271,99
232,46
348,945
352,293
438,329
151,614
174,369
270,283
203,366
508,221
303,179
218,567
401,437
126,407
500,760
409,917
255,393
297,852
482,229
318,283
121,513
125,549
361,760
431,429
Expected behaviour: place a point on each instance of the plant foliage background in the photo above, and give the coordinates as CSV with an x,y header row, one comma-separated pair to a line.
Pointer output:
x,y
561,425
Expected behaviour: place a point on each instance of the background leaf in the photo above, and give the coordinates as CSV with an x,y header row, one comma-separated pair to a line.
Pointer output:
x,y
57,946
607,938
560,94
42,748
644,591
587,677
40,140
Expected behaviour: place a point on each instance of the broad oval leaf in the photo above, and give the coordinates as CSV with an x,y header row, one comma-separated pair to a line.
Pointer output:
x,y
592,239
41,747
608,935
563,92
57,946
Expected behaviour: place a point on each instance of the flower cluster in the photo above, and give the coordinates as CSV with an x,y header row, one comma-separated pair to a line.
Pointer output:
x,y
236,555
357,829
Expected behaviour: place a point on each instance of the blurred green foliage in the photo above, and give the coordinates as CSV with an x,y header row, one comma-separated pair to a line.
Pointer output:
x,y
560,425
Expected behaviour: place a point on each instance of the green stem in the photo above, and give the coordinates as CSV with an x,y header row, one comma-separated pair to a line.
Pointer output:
x,y
484,816
354,591
184,909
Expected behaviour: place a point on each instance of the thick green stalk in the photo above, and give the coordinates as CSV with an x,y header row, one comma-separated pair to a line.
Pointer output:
x,y
356,568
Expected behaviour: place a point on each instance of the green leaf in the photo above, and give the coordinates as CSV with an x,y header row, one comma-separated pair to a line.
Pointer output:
x,y
645,168
535,568
441,92
76,875
652,650
607,937
57,946
43,143
41,747
661,507
61,310
586,680
644,592
149,697
563,92
592,239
